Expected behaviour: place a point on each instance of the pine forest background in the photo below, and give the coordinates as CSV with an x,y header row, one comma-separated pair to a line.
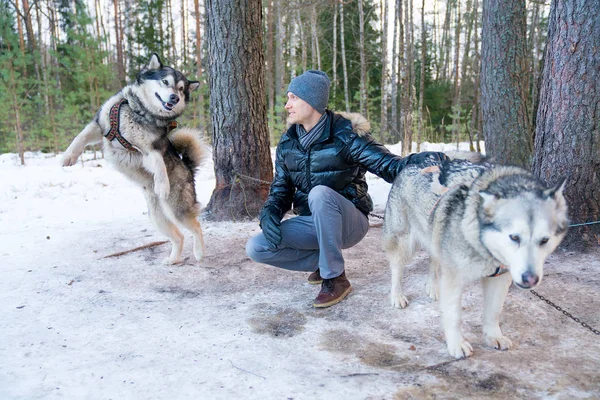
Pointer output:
x,y
60,60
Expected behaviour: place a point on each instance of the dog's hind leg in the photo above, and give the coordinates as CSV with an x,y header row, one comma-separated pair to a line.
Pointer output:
x,y
191,222
451,288
494,294
432,288
90,134
165,225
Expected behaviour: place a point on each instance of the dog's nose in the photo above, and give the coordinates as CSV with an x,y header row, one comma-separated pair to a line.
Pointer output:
x,y
173,99
529,279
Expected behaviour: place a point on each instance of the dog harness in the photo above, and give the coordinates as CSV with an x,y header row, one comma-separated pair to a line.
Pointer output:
x,y
114,133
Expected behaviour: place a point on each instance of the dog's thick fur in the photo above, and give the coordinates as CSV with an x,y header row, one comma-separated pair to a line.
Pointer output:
x,y
474,220
163,163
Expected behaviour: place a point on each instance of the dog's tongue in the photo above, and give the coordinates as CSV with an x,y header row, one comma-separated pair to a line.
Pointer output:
x,y
169,105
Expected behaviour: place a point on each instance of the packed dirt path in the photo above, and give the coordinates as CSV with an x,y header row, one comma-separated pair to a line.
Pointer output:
x,y
228,328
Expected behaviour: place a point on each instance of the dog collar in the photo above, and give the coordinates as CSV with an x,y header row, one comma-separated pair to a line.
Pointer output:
x,y
499,271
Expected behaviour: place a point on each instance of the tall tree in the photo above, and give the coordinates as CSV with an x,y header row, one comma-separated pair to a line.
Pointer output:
x,y
506,126
397,55
567,136
241,153
363,59
384,47
344,62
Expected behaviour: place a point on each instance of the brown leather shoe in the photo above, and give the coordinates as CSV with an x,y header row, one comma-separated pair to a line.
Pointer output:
x,y
315,278
333,291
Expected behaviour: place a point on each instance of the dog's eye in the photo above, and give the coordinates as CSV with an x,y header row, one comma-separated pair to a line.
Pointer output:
x,y
166,82
181,89
515,238
544,241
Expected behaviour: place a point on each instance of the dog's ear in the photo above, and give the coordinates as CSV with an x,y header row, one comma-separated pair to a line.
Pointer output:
x,y
488,203
154,62
557,189
193,86
556,194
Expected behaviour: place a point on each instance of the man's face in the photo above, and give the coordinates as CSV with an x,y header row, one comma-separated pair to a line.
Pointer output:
x,y
300,112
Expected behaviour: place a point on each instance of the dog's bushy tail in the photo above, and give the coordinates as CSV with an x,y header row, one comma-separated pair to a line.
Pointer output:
x,y
188,143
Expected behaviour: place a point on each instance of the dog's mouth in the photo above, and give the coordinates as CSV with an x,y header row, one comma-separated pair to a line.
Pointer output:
x,y
167,106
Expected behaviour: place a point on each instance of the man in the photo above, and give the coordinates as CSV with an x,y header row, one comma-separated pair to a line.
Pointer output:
x,y
320,169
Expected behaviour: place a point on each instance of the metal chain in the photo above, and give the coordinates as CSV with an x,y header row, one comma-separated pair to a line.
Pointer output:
x,y
565,312
375,215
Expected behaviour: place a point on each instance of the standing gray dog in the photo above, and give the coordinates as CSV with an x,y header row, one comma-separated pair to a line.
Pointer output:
x,y
478,222
139,135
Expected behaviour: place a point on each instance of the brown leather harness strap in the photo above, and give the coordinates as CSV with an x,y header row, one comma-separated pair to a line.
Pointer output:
x,y
114,133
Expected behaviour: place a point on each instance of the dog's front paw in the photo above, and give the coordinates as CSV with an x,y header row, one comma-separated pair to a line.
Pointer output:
x,y
499,342
70,158
162,189
171,260
398,300
460,348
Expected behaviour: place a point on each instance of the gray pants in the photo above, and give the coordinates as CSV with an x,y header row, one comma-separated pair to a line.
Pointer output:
x,y
314,242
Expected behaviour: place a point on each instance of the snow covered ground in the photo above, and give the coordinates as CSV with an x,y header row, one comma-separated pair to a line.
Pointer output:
x,y
76,325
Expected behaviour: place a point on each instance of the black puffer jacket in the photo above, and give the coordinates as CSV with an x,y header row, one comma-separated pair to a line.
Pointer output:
x,y
339,159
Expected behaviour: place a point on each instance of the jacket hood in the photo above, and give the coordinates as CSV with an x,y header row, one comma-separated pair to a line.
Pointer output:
x,y
360,125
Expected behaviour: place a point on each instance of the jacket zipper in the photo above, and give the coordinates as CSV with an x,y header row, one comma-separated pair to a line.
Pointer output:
x,y
308,172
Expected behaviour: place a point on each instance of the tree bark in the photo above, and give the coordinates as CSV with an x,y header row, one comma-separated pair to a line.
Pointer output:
x,y
363,60
506,125
397,54
241,152
118,39
334,82
344,65
384,40
407,100
199,71
456,110
567,139
422,80
269,64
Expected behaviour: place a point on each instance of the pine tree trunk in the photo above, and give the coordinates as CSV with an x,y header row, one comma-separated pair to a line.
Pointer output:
x,y
567,138
334,83
469,16
445,48
363,60
344,65
270,60
456,110
302,40
533,51
406,85
199,71
384,50
422,73
241,153
316,52
394,123
506,125
476,116
279,67
118,38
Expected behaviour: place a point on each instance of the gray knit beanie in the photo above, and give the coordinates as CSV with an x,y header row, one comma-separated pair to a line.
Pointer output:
x,y
312,87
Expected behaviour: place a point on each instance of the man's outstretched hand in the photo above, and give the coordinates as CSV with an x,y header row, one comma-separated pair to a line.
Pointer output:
x,y
271,227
